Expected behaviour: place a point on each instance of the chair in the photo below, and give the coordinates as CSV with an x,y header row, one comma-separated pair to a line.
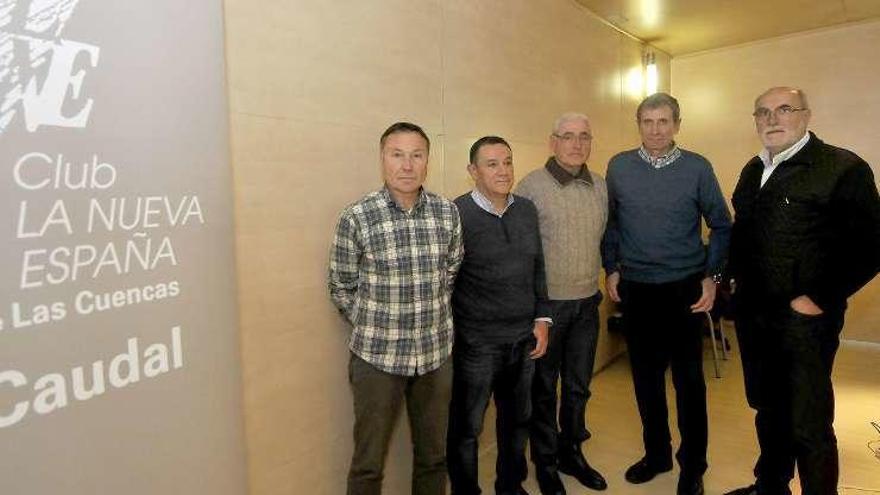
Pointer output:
x,y
715,344
721,311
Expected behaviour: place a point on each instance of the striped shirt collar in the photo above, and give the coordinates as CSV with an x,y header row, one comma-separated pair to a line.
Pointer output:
x,y
563,177
484,203
663,160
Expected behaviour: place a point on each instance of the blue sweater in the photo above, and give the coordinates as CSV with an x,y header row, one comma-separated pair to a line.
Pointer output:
x,y
654,223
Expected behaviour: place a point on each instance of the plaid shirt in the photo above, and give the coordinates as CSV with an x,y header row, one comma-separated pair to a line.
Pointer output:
x,y
660,161
391,275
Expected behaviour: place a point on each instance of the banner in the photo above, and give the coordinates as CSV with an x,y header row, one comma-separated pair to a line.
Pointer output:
x,y
119,363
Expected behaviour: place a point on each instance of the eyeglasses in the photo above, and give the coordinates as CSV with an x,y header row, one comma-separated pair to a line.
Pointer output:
x,y
570,137
763,114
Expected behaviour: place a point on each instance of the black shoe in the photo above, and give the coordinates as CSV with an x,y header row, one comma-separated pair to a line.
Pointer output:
x,y
572,463
548,480
690,485
748,490
645,470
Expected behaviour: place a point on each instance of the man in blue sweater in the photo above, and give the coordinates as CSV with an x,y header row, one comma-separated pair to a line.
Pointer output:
x,y
501,319
658,269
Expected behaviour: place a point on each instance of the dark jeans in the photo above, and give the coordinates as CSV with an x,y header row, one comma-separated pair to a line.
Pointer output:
x,y
787,361
571,353
480,371
661,331
378,397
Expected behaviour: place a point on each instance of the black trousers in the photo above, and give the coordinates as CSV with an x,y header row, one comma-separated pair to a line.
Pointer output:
x,y
571,353
661,332
787,361
479,371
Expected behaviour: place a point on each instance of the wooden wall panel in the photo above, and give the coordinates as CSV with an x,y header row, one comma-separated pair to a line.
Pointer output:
x,y
834,66
312,85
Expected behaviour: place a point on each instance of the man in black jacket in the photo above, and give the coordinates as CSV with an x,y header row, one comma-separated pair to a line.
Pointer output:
x,y
806,237
501,321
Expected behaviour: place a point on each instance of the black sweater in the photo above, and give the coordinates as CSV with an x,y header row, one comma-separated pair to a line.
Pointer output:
x,y
501,286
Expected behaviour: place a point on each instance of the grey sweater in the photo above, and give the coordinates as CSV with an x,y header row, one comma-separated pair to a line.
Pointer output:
x,y
572,212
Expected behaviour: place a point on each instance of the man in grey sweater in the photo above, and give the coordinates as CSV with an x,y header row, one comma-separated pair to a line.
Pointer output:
x,y
660,272
572,205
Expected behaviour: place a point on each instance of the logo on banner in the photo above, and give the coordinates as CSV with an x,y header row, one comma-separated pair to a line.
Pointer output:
x,y
41,73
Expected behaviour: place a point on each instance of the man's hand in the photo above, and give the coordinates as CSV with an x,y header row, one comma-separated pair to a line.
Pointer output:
x,y
541,332
611,282
707,299
805,306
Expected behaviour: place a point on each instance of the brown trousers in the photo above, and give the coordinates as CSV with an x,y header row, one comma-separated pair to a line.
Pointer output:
x,y
378,397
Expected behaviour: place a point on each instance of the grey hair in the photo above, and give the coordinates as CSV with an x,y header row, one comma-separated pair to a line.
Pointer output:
x,y
568,117
788,89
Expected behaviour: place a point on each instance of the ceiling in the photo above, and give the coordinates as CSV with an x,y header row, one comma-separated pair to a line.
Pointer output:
x,y
679,27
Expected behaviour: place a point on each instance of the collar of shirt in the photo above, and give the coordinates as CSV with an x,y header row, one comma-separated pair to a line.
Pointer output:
x,y
563,177
663,160
770,165
780,157
416,207
484,203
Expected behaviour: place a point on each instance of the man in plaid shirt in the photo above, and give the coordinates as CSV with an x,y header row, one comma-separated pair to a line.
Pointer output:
x,y
392,266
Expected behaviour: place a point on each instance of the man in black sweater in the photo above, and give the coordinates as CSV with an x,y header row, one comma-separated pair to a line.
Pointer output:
x,y
501,318
806,237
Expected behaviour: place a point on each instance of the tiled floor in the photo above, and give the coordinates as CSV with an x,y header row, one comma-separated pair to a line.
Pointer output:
x,y
616,443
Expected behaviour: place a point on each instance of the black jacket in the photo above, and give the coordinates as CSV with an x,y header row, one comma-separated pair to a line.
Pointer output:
x,y
813,229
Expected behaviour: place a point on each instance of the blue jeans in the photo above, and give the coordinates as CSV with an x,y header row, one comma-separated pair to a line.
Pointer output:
x,y
479,371
571,353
